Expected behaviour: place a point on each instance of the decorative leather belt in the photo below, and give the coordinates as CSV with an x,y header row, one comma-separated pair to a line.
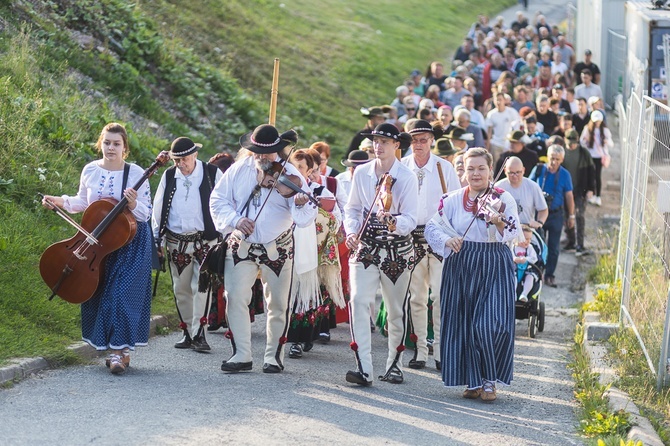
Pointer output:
x,y
191,237
376,234
418,234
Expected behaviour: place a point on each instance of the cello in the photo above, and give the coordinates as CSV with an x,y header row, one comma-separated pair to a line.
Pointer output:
x,y
72,268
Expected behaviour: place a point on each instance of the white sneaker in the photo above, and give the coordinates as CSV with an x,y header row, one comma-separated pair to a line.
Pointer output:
x,y
598,201
592,200
523,298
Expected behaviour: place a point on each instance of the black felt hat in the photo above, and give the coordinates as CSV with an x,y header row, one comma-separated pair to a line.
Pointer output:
x,y
356,158
182,147
266,139
443,147
384,130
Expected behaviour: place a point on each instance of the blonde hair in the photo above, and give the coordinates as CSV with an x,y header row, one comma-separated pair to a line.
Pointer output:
x,y
479,152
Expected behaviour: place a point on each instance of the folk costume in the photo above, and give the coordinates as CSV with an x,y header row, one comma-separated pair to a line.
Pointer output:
x,y
383,256
428,263
181,217
268,249
478,292
117,316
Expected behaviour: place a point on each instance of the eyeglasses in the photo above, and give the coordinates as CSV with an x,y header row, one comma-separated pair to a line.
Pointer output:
x,y
518,172
410,109
420,140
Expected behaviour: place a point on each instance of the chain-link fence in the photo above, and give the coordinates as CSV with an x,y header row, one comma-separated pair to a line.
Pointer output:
x,y
615,76
644,241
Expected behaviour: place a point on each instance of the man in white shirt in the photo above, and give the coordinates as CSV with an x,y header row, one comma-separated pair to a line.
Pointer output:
x,y
587,88
181,217
499,123
260,223
354,159
378,228
436,177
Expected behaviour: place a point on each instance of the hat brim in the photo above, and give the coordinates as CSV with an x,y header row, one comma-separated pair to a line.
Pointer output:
x,y
353,163
447,153
371,136
194,149
245,143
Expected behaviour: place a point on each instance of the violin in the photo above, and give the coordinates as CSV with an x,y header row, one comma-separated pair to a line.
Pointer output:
x,y
491,205
286,184
386,199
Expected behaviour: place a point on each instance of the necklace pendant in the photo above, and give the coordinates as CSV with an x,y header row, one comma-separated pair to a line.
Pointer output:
x,y
187,185
421,174
257,199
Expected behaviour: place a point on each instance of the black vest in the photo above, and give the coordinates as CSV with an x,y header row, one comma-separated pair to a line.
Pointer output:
x,y
206,186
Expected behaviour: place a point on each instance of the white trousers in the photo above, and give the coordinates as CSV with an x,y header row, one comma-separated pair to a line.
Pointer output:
x,y
427,275
191,304
238,282
364,283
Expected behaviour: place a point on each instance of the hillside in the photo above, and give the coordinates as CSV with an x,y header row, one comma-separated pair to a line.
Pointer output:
x,y
168,68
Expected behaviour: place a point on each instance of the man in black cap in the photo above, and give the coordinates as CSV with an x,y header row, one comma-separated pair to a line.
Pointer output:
x,y
579,163
436,177
378,228
260,223
528,157
587,64
459,137
181,217
376,116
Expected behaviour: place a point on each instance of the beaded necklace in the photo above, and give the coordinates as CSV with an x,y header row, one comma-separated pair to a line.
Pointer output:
x,y
470,205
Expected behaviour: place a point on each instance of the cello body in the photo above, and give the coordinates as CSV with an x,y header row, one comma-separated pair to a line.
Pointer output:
x,y
73,268
79,265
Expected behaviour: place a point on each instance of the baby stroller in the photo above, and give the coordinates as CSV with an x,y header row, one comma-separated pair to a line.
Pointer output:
x,y
533,310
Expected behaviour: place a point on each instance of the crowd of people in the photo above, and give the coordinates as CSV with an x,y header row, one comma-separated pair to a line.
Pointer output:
x,y
440,195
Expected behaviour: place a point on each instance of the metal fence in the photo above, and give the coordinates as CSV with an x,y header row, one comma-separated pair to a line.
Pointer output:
x,y
615,75
644,239
571,32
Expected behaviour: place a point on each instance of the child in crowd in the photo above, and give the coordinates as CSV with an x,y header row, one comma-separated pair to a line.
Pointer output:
x,y
524,257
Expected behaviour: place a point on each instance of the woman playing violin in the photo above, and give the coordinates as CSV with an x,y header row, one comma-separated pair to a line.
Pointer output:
x,y
471,230
116,318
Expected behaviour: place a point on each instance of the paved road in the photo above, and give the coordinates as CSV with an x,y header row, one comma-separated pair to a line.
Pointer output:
x,y
170,396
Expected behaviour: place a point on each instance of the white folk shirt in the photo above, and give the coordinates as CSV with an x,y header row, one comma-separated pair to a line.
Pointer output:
x,y
232,192
185,214
363,190
430,187
452,220
97,183
343,189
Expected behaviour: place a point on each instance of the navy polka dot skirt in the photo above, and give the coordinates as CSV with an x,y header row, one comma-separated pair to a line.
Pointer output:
x,y
118,316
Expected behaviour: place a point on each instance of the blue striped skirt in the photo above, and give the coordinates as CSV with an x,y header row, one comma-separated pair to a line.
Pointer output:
x,y
477,298
118,316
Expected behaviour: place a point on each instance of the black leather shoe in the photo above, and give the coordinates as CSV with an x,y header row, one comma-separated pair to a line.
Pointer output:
x,y
307,346
200,344
271,368
357,378
295,351
418,365
234,367
324,338
395,377
185,342
438,365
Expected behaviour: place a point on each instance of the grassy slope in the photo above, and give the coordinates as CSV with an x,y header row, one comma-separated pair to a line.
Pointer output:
x,y
336,56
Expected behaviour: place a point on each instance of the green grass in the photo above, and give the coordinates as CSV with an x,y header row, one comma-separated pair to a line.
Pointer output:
x,y
166,68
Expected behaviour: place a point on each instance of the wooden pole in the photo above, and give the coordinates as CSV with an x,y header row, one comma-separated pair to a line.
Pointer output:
x,y
273,93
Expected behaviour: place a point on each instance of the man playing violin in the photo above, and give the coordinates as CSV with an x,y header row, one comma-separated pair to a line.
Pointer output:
x,y
181,217
260,223
379,236
436,177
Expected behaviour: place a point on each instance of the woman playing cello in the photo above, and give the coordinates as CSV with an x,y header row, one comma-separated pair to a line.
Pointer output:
x,y
116,318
